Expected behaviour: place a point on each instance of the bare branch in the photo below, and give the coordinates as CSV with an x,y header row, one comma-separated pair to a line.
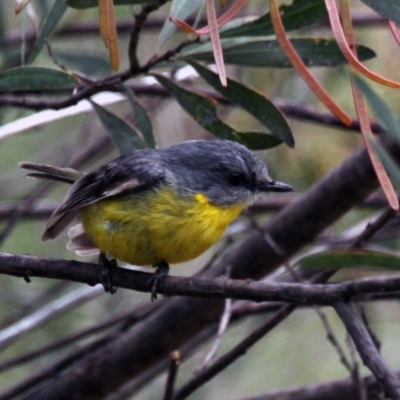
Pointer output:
x,y
296,293
367,350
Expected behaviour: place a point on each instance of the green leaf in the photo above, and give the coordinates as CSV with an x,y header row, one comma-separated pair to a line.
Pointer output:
x,y
380,108
123,135
253,102
390,165
389,9
204,111
352,259
300,14
35,78
81,4
88,64
142,119
49,25
314,52
180,9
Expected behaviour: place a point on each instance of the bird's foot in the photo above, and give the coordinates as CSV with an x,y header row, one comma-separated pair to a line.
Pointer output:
x,y
107,267
160,273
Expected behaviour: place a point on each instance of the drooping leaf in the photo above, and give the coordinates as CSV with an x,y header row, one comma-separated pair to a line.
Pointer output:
x,y
81,4
389,9
314,52
216,41
226,17
253,102
347,51
204,111
35,79
180,9
301,68
395,31
21,4
391,166
108,31
369,140
49,25
142,119
125,138
300,14
352,259
380,108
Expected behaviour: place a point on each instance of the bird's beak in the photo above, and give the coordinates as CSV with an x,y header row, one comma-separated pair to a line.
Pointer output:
x,y
274,186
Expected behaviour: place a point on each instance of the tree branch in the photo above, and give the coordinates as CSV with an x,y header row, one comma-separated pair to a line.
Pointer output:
x,y
367,350
295,293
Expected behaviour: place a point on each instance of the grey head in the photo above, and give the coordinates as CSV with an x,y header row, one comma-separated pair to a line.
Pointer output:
x,y
226,172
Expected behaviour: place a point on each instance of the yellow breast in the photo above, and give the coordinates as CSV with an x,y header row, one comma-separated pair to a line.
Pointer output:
x,y
144,229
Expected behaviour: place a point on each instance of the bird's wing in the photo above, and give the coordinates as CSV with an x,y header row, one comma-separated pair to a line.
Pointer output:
x,y
129,173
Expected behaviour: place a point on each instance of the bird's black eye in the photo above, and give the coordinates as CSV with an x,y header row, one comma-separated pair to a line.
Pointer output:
x,y
237,179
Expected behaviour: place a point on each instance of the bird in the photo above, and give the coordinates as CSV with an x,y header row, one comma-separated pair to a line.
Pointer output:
x,y
156,207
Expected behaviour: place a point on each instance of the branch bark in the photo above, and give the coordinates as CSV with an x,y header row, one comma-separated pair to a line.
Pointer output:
x,y
212,288
367,349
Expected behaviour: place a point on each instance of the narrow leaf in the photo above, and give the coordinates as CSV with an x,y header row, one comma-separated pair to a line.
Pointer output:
x,y
204,111
35,78
125,138
183,26
141,118
365,126
391,166
395,31
344,46
21,4
226,17
253,102
380,171
87,63
49,25
389,9
314,52
180,9
291,53
380,108
300,14
108,30
216,41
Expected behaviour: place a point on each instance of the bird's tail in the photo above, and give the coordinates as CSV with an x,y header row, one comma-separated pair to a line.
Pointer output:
x,y
42,171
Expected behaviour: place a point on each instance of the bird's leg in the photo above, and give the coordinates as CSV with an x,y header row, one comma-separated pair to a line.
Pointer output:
x,y
106,273
160,273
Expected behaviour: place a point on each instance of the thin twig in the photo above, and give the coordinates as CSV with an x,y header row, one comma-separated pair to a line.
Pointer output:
x,y
45,350
240,349
38,318
140,19
355,371
223,325
367,350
